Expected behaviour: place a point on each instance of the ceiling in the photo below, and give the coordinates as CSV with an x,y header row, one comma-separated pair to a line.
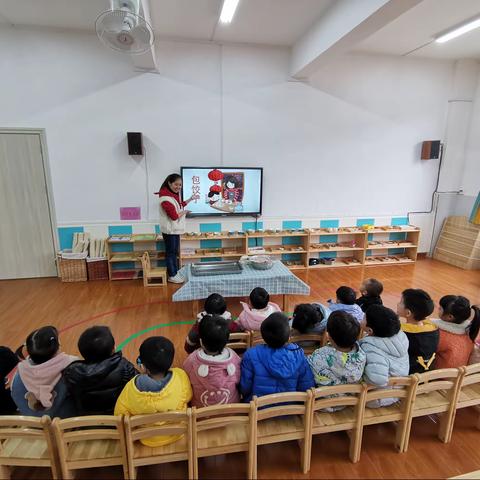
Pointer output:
x,y
413,32
267,22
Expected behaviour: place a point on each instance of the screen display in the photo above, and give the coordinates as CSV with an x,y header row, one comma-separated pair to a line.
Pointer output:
x,y
223,191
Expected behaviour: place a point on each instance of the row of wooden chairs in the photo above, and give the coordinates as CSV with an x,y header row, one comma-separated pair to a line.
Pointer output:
x,y
85,442
241,341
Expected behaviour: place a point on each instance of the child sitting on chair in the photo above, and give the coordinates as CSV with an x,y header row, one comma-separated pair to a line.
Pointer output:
x,y
213,369
309,318
423,336
371,289
386,349
158,388
214,305
259,309
457,331
96,381
8,361
346,301
342,361
38,388
277,366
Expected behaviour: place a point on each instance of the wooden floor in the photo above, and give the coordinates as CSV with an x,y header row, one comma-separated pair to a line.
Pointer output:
x,y
130,310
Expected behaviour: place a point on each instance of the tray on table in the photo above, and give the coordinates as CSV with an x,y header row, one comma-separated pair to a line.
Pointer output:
x,y
215,268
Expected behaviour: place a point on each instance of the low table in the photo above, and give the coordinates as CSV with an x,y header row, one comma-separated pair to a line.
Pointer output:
x,y
278,280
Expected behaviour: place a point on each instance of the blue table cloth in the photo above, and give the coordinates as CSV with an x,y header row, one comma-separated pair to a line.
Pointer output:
x,y
278,280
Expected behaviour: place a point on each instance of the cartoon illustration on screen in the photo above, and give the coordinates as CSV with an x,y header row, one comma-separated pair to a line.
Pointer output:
x,y
226,193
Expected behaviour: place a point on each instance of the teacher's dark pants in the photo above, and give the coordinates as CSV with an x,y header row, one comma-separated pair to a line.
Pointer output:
x,y
172,246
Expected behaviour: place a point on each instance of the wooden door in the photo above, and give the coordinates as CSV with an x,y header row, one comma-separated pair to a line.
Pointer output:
x,y
27,246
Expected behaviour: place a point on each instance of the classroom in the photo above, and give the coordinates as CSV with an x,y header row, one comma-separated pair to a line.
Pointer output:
x,y
239,239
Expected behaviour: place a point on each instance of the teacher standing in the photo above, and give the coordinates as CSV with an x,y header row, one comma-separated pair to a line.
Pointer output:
x,y
172,223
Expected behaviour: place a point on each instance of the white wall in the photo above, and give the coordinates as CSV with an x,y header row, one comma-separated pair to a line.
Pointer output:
x,y
345,145
471,175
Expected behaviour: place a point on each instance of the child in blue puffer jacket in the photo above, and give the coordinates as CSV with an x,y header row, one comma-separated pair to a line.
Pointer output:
x,y
277,366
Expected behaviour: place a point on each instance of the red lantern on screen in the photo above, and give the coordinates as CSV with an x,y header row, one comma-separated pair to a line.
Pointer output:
x,y
215,175
216,188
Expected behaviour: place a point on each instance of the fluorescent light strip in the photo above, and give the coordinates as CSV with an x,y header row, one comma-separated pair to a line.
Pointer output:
x,y
472,25
228,10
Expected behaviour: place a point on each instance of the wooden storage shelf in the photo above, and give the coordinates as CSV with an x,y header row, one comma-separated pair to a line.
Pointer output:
x,y
335,249
136,238
338,262
388,260
406,229
286,233
384,246
146,242
338,231
306,247
136,257
213,236
212,254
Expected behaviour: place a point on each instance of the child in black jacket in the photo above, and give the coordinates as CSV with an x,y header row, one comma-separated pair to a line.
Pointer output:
x,y
371,289
8,361
96,382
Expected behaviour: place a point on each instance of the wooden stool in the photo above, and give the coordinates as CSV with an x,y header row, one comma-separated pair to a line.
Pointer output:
x,y
150,273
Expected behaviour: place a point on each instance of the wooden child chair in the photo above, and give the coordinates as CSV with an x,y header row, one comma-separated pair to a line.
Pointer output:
x,y
239,341
469,392
351,399
308,341
222,429
88,442
401,389
150,273
281,417
139,427
436,392
26,442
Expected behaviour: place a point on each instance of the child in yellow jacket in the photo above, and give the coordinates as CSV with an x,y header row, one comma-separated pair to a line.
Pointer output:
x,y
158,388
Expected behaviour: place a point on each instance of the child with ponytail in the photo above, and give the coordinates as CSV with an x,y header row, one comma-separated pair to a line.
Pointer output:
x,y
458,331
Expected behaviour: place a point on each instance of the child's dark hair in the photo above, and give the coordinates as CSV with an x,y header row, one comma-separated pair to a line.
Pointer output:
x,y
346,295
419,302
42,344
305,317
259,298
231,179
343,329
212,194
96,344
215,304
275,330
156,354
214,333
173,177
460,309
383,321
373,287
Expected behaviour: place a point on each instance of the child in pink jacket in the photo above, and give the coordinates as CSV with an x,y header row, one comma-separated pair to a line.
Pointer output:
x,y
213,369
259,309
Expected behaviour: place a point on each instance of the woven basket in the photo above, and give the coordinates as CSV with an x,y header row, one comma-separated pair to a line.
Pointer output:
x,y
97,268
72,270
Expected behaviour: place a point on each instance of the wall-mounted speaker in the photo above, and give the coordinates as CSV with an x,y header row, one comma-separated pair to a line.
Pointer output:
x,y
431,149
135,143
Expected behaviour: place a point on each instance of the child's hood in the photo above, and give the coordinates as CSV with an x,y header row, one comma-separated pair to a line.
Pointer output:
x,y
395,346
226,315
151,402
259,316
282,362
208,366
